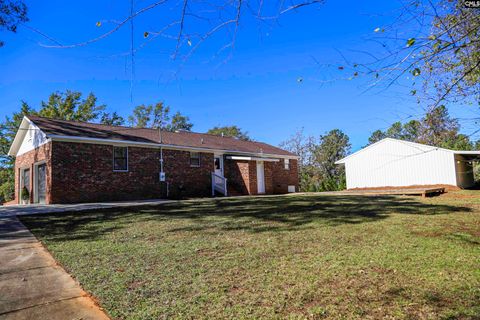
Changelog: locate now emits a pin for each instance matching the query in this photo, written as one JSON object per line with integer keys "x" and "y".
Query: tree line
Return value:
{"x": 436, "y": 128}
{"x": 70, "y": 105}
{"x": 317, "y": 168}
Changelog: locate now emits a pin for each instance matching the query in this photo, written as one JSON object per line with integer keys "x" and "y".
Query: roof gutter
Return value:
{"x": 158, "y": 145}
{"x": 470, "y": 153}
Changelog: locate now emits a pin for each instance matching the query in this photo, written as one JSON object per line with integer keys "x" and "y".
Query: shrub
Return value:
{"x": 25, "y": 194}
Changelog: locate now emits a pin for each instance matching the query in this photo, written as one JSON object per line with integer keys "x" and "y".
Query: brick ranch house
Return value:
{"x": 69, "y": 162}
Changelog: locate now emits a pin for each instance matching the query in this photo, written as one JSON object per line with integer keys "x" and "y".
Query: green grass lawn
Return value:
{"x": 294, "y": 257}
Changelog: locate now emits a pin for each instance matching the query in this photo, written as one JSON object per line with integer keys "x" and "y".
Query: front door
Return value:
{"x": 218, "y": 165}
{"x": 41, "y": 183}
{"x": 260, "y": 177}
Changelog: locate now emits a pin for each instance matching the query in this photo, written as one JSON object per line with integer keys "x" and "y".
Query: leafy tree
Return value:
{"x": 476, "y": 145}
{"x": 230, "y": 131}
{"x": 112, "y": 119}
{"x": 433, "y": 45}
{"x": 8, "y": 130}
{"x": 411, "y": 130}
{"x": 158, "y": 116}
{"x": 395, "y": 131}
{"x": 179, "y": 122}
{"x": 317, "y": 168}
{"x": 12, "y": 13}
{"x": 141, "y": 116}
{"x": 71, "y": 106}
{"x": 332, "y": 147}
{"x": 63, "y": 106}
{"x": 7, "y": 184}
{"x": 457, "y": 142}
{"x": 408, "y": 132}
{"x": 376, "y": 136}
{"x": 436, "y": 128}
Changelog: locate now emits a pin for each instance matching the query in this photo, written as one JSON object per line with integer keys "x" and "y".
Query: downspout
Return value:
{"x": 161, "y": 154}
{"x": 161, "y": 150}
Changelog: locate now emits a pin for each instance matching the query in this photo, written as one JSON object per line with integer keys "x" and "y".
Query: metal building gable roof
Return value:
{"x": 413, "y": 144}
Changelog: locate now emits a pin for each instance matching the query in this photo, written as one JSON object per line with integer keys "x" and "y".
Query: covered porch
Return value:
{"x": 245, "y": 175}
{"x": 464, "y": 168}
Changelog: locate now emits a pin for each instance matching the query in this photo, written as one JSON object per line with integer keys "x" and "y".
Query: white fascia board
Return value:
{"x": 253, "y": 158}
{"x": 341, "y": 161}
{"x": 158, "y": 145}
{"x": 421, "y": 145}
{"x": 467, "y": 152}
{"x": 239, "y": 158}
{"x": 413, "y": 144}
{"x": 17, "y": 141}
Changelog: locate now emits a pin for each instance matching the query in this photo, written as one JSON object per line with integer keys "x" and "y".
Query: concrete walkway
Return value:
{"x": 32, "y": 286}
{"x": 19, "y": 210}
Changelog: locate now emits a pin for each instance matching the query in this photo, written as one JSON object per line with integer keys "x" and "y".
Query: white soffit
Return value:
{"x": 252, "y": 158}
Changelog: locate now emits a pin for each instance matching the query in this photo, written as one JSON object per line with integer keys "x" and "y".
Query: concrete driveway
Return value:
{"x": 32, "y": 285}
{"x": 19, "y": 210}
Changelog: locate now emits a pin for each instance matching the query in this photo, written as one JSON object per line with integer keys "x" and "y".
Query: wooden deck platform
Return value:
{"x": 424, "y": 192}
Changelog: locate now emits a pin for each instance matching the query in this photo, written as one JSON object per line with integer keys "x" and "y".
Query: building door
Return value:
{"x": 41, "y": 183}
{"x": 24, "y": 183}
{"x": 260, "y": 177}
{"x": 218, "y": 165}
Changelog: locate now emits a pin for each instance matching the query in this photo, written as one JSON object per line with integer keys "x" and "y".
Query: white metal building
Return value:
{"x": 397, "y": 163}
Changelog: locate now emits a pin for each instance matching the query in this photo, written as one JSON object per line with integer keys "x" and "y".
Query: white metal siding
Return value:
{"x": 396, "y": 163}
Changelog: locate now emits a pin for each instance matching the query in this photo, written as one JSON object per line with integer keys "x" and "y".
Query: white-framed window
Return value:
{"x": 194, "y": 159}
{"x": 120, "y": 159}
{"x": 286, "y": 163}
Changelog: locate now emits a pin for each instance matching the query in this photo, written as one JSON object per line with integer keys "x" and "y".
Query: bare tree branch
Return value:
{"x": 109, "y": 33}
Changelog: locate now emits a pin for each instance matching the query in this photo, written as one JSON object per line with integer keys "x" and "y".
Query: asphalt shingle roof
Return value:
{"x": 182, "y": 138}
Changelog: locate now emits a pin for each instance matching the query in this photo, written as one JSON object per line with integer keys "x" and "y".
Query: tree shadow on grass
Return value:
{"x": 251, "y": 214}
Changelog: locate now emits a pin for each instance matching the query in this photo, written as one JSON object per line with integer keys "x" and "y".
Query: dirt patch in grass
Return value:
{"x": 426, "y": 186}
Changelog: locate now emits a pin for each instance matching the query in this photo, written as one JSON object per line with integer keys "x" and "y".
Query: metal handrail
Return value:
{"x": 220, "y": 187}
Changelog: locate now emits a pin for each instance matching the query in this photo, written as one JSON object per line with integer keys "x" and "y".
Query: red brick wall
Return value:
{"x": 28, "y": 160}
{"x": 84, "y": 173}
{"x": 282, "y": 178}
{"x": 185, "y": 180}
{"x": 79, "y": 172}
{"x": 242, "y": 176}
{"x": 238, "y": 175}
{"x": 268, "y": 170}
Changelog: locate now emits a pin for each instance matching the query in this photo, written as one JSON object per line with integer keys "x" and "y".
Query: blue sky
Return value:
{"x": 257, "y": 88}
